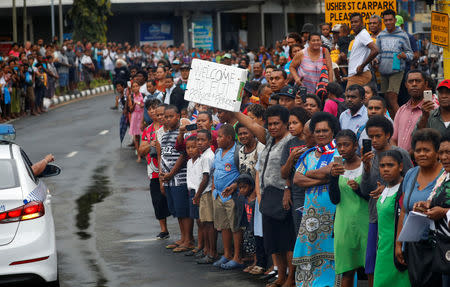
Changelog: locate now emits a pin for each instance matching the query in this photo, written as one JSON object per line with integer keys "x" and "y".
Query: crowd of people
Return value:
{"x": 341, "y": 136}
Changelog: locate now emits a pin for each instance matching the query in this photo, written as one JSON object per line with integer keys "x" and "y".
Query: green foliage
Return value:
{"x": 89, "y": 19}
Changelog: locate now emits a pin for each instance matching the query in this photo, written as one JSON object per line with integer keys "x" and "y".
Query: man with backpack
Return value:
{"x": 356, "y": 114}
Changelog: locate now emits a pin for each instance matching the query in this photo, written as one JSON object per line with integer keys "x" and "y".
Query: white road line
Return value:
{"x": 103, "y": 132}
{"x": 138, "y": 240}
{"x": 72, "y": 154}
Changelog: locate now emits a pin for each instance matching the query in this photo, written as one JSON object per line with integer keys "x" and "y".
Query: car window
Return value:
{"x": 8, "y": 176}
{"x": 28, "y": 165}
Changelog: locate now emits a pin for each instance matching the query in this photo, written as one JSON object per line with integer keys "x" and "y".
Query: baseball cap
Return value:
{"x": 227, "y": 55}
{"x": 185, "y": 67}
{"x": 336, "y": 28}
{"x": 176, "y": 62}
{"x": 444, "y": 83}
{"x": 287, "y": 91}
{"x": 399, "y": 20}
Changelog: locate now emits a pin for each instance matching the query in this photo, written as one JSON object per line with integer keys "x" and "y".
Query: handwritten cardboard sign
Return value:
{"x": 215, "y": 85}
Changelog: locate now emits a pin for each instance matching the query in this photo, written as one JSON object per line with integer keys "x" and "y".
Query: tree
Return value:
{"x": 89, "y": 19}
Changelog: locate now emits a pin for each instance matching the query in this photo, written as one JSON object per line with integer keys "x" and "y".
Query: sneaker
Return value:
{"x": 163, "y": 235}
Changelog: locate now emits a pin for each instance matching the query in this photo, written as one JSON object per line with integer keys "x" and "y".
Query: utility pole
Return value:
{"x": 444, "y": 7}
{"x": 14, "y": 18}
{"x": 53, "y": 18}
{"x": 24, "y": 16}
{"x": 60, "y": 22}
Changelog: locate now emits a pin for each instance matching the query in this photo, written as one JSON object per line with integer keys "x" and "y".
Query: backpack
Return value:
{"x": 341, "y": 107}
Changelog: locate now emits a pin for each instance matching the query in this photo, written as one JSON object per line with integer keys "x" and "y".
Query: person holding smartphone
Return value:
{"x": 438, "y": 119}
{"x": 379, "y": 130}
{"x": 352, "y": 213}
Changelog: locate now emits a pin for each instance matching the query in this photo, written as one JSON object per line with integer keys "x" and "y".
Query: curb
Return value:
{"x": 85, "y": 93}
{"x": 74, "y": 97}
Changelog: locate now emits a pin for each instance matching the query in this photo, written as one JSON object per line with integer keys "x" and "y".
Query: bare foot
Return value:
{"x": 138, "y": 159}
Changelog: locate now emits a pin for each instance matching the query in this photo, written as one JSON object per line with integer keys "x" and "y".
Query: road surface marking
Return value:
{"x": 72, "y": 154}
{"x": 103, "y": 132}
{"x": 138, "y": 240}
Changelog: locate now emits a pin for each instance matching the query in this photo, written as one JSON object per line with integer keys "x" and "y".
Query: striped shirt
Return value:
{"x": 309, "y": 71}
{"x": 169, "y": 156}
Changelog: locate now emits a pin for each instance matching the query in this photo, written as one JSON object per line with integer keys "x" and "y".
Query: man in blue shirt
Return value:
{"x": 356, "y": 114}
{"x": 225, "y": 173}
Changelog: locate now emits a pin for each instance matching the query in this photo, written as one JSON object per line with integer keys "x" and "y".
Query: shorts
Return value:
{"x": 193, "y": 208}
{"x": 391, "y": 83}
{"x": 178, "y": 200}
{"x": 206, "y": 208}
{"x": 361, "y": 79}
{"x": 225, "y": 215}
{"x": 64, "y": 79}
{"x": 371, "y": 252}
{"x": 159, "y": 201}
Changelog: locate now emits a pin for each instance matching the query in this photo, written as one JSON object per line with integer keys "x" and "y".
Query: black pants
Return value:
{"x": 261, "y": 257}
{"x": 159, "y": 201}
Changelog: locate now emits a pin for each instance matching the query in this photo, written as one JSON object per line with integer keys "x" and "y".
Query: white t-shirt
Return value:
{"x": 359, "y": 52}
{"x": 86, "y": 60}
{"x": 195, "y": 170}
{"x": 143, "y": 90}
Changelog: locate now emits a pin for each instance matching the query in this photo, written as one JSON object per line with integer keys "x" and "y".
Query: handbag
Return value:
{"x": 400, "y": 267}
{"x": 441, "y": 253}
{"x": 321, "y": 87}
{"x": 272, "y": 198}
{"x": 419, "y": 258}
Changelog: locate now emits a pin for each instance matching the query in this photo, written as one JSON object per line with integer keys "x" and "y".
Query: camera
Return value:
{"x": 153, "y": 152}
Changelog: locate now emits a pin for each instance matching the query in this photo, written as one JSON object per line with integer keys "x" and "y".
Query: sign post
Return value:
{"x": 215, "y": 85}
{"x": 338, "y": 11}
{"x": 444, "y": 8}
{"x": 439, "y": 28}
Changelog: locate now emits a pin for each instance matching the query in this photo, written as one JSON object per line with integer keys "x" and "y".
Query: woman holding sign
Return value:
{"x": 307, "y": 65}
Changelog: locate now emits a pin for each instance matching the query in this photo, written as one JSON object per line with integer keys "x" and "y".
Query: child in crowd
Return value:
{"x": 203, "y": 197}
{"x": 148, "y": 149}
{"x": 225, "y": 174}
{"x": 246, "y": 186}
{"x": 172, "y": 172}
{"x": 194, "y": 177}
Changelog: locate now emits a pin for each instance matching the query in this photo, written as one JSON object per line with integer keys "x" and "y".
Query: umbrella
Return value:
{"x": 123, "y": 127}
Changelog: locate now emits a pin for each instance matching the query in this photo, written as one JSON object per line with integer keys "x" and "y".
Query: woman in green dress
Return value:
{"x": 386, "y": 274}
{"x": 351, "y": 224}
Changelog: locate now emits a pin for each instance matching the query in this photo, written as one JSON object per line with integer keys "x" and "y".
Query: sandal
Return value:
{"x": 172, "y": 246}
{"x": 256, "y": 270}
{"x": 180, "y": 249}
{"x": 248, "y": 268}
{"x": 193, "y": 252}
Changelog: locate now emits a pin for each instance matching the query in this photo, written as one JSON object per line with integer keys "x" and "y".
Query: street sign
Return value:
{"x": 338, "y": 11}
{"x": 439, "y": 28}
{"x": 215, "y": 85}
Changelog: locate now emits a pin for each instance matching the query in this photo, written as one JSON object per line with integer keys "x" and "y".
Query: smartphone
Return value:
{"x": 428, "y": 95}
{"x": 192, "y": 127}
{"x": 339, "y": 160}
{"x": 129, "y": 84}
{"x": 366, "y": 146}
{"x": 302, "y": 92}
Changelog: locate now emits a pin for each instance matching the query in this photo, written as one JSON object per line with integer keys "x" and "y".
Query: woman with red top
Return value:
{"x": 136, "y": 107}
{"x": 148, "y": 149}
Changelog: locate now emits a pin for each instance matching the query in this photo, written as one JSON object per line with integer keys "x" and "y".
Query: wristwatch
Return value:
{"x": 287, "y": 187}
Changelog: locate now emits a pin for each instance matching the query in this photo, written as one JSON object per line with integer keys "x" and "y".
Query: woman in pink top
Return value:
{"x": 307, "y": 65}
{"x": 335, "y": 93}
{"x": 136, "y": 106}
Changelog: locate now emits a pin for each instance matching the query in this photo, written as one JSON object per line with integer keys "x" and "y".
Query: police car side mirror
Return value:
{"x": 50, "y": 170}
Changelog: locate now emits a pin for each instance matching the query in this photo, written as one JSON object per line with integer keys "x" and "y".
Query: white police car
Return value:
{"x": 27, "y": 231}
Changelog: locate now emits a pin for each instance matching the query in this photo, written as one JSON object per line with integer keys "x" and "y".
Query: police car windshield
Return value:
{"x": 8, "y": 174}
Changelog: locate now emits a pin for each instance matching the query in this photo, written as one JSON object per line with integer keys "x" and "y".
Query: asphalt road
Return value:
{"x": 105, "y": 224}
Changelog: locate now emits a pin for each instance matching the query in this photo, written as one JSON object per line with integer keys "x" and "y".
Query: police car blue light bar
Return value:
{"x": 7, "y": 132}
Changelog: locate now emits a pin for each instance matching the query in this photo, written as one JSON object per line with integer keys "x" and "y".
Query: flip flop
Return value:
{"x": 221, "y": 261}
{"x": 193, "y": 252}
{"x": 180, "y": 249}
{"x": 248, "y": 269}
{"x": 230, "y": 265}
{"x": 172, "y": 246}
